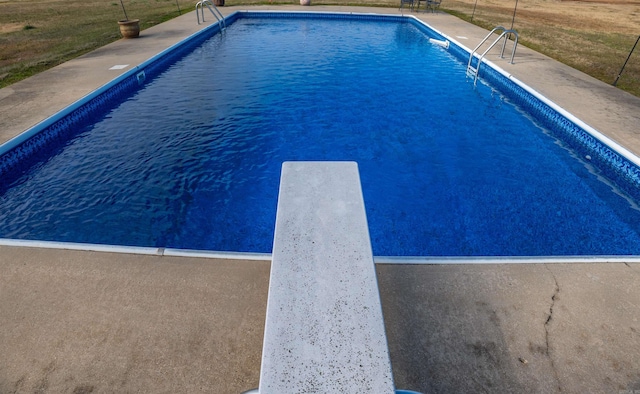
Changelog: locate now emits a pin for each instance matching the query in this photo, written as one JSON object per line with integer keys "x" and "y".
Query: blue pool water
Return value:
{"x": 192, "y": 159}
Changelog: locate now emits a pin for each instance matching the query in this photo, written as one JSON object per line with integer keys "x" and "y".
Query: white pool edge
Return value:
{"x": 266, "y": 257}
{"x": 413, "y": 260}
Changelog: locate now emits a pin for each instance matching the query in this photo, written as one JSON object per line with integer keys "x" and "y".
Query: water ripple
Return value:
{"x": 193, "y": 159}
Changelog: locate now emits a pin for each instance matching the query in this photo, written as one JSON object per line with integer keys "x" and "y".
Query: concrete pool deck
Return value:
{"x": 82, "y": 321}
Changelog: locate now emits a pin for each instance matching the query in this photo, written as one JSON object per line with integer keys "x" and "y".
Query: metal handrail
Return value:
{"x": 506, "y": 33}
{"x": 209, "y": 4}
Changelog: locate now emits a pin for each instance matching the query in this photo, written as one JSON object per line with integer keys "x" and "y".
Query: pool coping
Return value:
{"x": 266, "y": 257}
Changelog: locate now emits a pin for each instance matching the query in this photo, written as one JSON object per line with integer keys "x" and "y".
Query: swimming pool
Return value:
{"x": 462, "y": 195}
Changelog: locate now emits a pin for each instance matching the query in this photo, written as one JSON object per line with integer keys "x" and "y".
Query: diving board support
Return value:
{"x": 324, "y": 329}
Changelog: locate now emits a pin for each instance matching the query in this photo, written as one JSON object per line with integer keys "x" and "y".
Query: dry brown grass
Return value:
{"x": 592, "y": 36}
{"x": 36, "y": 35}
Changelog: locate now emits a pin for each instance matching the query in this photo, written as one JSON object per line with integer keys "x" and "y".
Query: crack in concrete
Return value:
{"x": 546, "y": 327}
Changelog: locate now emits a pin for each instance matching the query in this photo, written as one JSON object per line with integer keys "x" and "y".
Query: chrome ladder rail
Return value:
{"x": 217, "y": 14}
{"x": 506, "y": 33}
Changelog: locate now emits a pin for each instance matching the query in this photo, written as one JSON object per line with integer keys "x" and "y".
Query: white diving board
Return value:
{"x": 324, "y": 330}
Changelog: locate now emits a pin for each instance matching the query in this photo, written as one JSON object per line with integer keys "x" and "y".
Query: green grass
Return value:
{"x": 48, "y": 33}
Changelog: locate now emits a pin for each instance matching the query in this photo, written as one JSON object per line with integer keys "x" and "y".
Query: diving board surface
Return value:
{"x": 324, "y": 329}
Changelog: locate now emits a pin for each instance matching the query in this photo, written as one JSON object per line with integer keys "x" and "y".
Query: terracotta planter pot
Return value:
{"x": 130, "y": 28}
{"x": 218, "y": 3}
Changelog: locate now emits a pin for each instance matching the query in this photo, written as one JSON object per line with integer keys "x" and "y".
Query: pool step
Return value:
{"x": 472, "y": 72}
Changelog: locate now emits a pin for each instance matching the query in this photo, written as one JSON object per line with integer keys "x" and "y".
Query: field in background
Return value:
{"x": 37, "y": 35}
{"x": 592, "y": 36}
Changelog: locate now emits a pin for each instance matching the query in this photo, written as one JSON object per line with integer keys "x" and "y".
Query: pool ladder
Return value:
{"x": 506, "y": 33}
{"x": 218, "y": 15}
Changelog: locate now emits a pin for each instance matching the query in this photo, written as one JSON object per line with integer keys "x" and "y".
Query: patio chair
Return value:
{"x": 431, "y": 5}
{"x": 408, "y": 2}
{"x": 434, "y": 5}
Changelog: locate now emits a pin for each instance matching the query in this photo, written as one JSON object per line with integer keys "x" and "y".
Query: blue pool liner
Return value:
{"x": 615, "y": 163}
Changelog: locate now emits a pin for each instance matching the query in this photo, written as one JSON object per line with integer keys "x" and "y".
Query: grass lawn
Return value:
{"x": 594, "y": 37}
{"x": 37, "y": 35}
